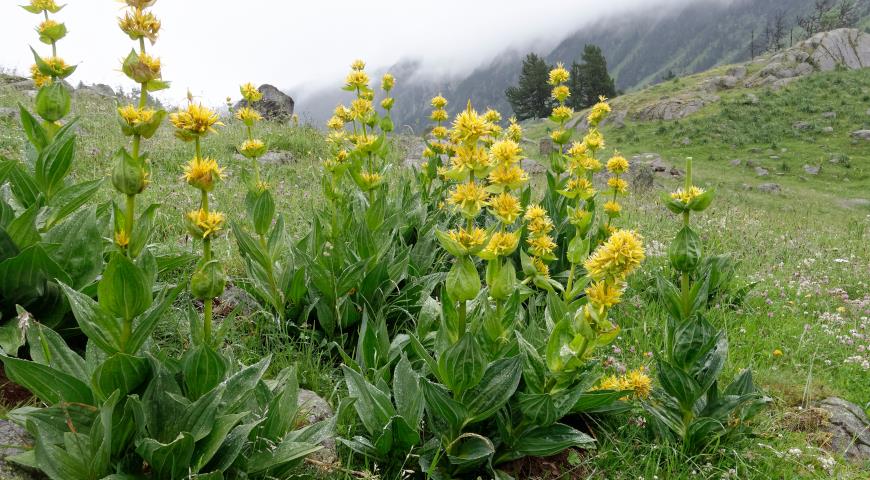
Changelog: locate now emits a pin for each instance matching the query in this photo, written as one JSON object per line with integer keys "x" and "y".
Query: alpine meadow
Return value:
{"x": 635, "y": 246}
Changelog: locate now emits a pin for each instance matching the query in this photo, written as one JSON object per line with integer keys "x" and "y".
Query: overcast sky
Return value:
{"x": 211, "y": 46}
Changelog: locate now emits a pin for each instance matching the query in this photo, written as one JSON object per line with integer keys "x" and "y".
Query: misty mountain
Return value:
{"x": 641, "y": 48}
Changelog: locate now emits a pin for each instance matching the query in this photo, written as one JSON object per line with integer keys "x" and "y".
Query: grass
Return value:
{"x": 807, "y": 248}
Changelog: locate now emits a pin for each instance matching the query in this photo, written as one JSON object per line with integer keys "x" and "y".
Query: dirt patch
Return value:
{"x": 567, "y": 465}
{"x": 12, "y": 395}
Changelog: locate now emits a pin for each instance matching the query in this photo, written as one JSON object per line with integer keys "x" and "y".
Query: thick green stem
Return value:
{"x": 130, "y": 218}
{"x": 685, "y": 286}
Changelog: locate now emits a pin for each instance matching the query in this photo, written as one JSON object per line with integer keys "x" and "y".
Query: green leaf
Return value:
{"x": 470, "y": 449}
{"x": 147, "y": 322}
{"x": 463, "y": 281}
{"x": 241, "y": 385}
{"x": 54, "y": 164}
{"x": 684, "y": 252}
{"x": 49, "y": 349}
{"x": 208, "y": 446}
{"x": 462, "y": 364}
{"x": 124, "y": 289}
{"x": 679, "y": 385}
{"x": 24, "y": 280}
{"x": 441, "y": 407}
{"x": 100, "y": 327}
{"x": 261, "y": 209}
{"x": 169, "y": 461}
{"x": 77, "y": 253}
{"x": 48, "y": 384}
{"x": 24, "y": 187}
{"x": 496, "y": 387}
{"x": 203, "y": 369}
{"x": 406, "y": 392}
{"x": 283, "y": 454}
{"x": 36, "y": 134}
{"x": 120, "y": 372}
{"x": 701, "y": 202}
{"x": 69, "y": 199}
{"x": 372, "y": 405}
{"x": 22, "y": 229}
{"x": 547, "y": 441}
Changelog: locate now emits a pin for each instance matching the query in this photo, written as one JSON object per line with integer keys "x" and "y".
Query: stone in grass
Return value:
{"x": 761, "y": 171}
{"x": 861, "y": 134}
{"x": 314, "y": 409}
{"x": 7, "y": 113}
{"x": 736, "y": 162}
{"x": 812, "y": 170}
{"x": 278, "y": 157}
{"x": 829, "y": 115}
{"x": 769, "y": 188}
{"x": 13, "y": 441}
{"x": 828, "y": 130}
{"x": 849, "y": 429}
{"x": 801, "y": 125}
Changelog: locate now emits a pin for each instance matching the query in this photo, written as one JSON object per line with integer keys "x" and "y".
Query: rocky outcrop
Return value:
{"x": 861, "y": 134}
{"x": 275, "y": 104}
{"x": 849, "y": 429}
{"x": 97, "y": 89}
{"x": 674, "y": 108}
{"x": 842, "y": 48}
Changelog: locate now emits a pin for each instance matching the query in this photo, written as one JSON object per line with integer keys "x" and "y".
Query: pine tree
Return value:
{"x": 531, "y": 98}
{"x": 593, "y": 78}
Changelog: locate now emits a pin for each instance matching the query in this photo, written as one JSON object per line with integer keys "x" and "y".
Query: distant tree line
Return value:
{"x": 825, "y": 15}
{"x": 530, "y": 98}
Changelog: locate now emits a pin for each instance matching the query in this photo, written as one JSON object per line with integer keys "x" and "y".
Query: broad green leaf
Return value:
{"x": 372, "y": 405}
{"x": 99, "y": 325}
{"x": 203, "y": 369}
{"x": 284, "y": 453}
{"x": 77, "y": 253}
{"x": 470, "y": 449}
{"x": 406, "y": 392}
{"x": 206, "y": 449}
{"x": 145, "y": 324}
{"x": 49, "y": 349}
{"x": 496, "y": 387}
{"x": 679, "y": 384}
{"x": 443, "y": 408}
{"x": 170, "y": 461}
{"x": 462, "y": 364}
{"x": 120, "y": 372}
{"x": 124, "y": 289}
{"x": 547, "y": 441}
{"x": 50, "y": 385}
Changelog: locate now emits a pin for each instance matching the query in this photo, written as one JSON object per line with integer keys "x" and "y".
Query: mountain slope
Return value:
{"x": 641, "y": 48}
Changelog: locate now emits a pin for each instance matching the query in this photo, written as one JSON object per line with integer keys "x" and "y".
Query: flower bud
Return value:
{"x": 684, "y": 252}
{"x": 53, "y": 102}
{"x": 51, "y": 31}
{"x": 463, "y": 282}
{"x": 501, "y": 278}
{"x": 141, "y": 68}
{"x": 252, "y": 148}
{"x": 129, "y": 175}
{"x": 208, "y": 281}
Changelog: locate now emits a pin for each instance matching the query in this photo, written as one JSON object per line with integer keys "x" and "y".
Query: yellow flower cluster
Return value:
{"x": 686, "y": 196}
{"x": 202, "y": 173}
{"x": 203, "y": 224}
{"x": 469, "y": 198}
{"x": 617, "y": 166}
{"x": 139, "y": 24}
{"x": 194, "y": 122}
{"x": 539, "y": 225}
{"x": 561, "y": 112}
{"x": 250, "y": 93}
{"x": 635, "y": 381}
{"x": 620, "y": 255}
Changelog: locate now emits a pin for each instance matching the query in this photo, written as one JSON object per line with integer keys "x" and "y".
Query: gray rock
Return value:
{"x": 545, "y": 146}
{"x": 414, "y": 155}
{"x": 803, "y": 69}
{"x": 868, "y": 111}
{"x": 234, "y": 297}
{"x": 531, "y": 166}
{"x": 23, "y": 84}
{"x": 829, "y": 114}
{"x": 849, "y": 429}
{"x": 782, "y": 83}
{"x": 673, "y": 108}
{"x": 314, "y": 408}
{"x": 827, "y": 129}
{"x": 675, "y": 172}
{"x": 277, "y": 157}
{"x": 769, "y": 188}
{"x": 642, "y": 177}
{"x": 14, "y": 440}
{"x": 812, "y": 170}
{"x": 838, "y": 158}
{"x": 750, "y": 99}
{"x": 801, "y": 125}
{"x": 686, "y": 141}
{"x": 856, "y": 203}
{"x": 616, "y": 117}
{"x": 8, "y": 113}
{"x": 844, "y": 47}
{"x": 861, "y": 134}
{"x": 737, "y": 72}
{"x": 761, "y": 172}
{"x": 725, "y": 82}
{"x": 736, "y": 162}
{"x": 275, "y": 104}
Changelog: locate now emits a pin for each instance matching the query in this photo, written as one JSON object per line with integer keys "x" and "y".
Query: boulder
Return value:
{"x": 829, "y": 114}
{"x": 856, "y": 203}
{"x": 641, "y": 177}
{"x": 315, "y": 409}
{"x": 849, "y": 429}
{"x": 769, "y": 188}
{"x": 750, "y": 99}
{"x": 761, "y": 172}
{"x": 673, "y": 108}
{"x": 275, "y": 104}
{"x": 812, "y": 170}
{"x": 801, "y": 125}
{"x": 736, "y": 162}
{"x": 861, "y": 134}
{"x": 827, "y": 129}
{"x": 276, "y": 157}
{"x": 737, "y": 72}
{"x": 531, "y": 166}
{"x": 545, "y": 146}
{"x": 844, "y": 47}
{"x": 14, "y": 440}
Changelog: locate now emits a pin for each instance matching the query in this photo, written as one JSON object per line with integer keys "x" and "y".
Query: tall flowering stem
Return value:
{"x": 53, "y": 100}
{"x": 258, "y": 200}
{"x": 132, "y": 169}
{"x": 208, "y": 280}
{"x": 361, "y": 151}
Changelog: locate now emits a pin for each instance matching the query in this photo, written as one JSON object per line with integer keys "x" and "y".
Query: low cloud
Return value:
{"x": 211, "y": 46}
